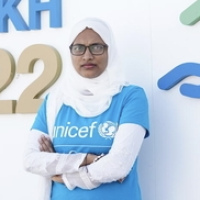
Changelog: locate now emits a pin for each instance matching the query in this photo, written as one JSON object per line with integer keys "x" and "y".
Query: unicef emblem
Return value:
{"x": 108, "y": 129}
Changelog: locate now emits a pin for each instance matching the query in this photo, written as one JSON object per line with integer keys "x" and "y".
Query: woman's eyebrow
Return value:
{"x": 96, "y": 43}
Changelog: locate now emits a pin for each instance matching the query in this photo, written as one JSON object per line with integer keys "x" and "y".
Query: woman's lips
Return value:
{"x": 88, "y": 65}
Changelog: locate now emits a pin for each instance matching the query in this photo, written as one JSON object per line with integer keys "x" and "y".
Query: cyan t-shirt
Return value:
{"x": 77, "y": 134}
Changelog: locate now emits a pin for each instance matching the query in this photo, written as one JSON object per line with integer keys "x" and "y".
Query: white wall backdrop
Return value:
{"x": 151, "y": 41}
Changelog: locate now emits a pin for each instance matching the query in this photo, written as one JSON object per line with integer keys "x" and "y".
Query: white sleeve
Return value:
{"x": 115, "y": 165}
{"x": 48, "y": 164}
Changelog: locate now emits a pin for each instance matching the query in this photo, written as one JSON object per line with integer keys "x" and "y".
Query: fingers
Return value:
{"x": 45, "y": 144}
{"x": 57, "y": 178}
{"x": 90, "y": 158}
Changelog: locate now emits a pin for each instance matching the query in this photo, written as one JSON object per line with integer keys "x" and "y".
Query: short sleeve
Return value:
{"x": 135, "y": 108}
{"x": 40, "y": 122}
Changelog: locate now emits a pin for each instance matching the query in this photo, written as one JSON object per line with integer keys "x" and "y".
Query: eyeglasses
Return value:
{"x": 80, "y": 49}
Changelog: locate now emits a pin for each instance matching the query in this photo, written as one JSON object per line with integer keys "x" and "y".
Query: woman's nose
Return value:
{"x": 87, "y": 54}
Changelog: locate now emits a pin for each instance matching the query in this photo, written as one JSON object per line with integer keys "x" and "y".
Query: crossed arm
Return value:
{"x": 78, "y": 170}
{"x": 45, "y": 145}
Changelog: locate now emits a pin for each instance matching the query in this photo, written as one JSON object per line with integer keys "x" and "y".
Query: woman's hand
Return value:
{"x": 45, "y": 144}
{"x": 89, "y": 158}
{"x": 57, "y": 178}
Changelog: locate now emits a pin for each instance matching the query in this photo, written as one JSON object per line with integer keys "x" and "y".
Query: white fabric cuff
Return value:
{"x": 79, "y": 179}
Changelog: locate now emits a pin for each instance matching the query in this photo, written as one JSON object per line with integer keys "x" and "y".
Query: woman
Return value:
{"x": 87, "y": 134}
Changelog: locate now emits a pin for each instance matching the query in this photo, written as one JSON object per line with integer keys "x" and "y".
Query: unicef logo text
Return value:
{"x": 106, "y": 130}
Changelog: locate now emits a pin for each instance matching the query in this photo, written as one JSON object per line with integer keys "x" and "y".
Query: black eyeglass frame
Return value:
{"x": 89, "y": 46}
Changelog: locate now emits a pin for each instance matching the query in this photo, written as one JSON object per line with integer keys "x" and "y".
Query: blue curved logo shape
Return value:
{"x": 179, "y": 73}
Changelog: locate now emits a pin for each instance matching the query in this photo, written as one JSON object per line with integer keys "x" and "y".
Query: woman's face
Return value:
{"x": 88, "y": 65}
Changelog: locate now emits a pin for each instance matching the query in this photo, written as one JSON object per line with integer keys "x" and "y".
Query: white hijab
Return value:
{"x": 91, "y": 97}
